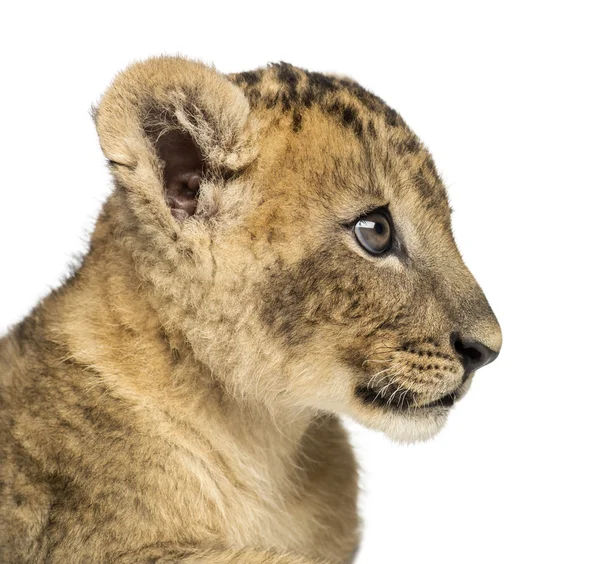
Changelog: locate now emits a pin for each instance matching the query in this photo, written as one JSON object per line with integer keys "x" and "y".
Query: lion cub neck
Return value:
{"x": 103, "y": 320}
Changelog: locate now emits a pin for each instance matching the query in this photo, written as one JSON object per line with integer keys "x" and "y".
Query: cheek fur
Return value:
{"x": 330, "y": 290}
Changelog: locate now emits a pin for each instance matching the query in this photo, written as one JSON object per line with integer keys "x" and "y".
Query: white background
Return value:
{"x": 506, "y": 97}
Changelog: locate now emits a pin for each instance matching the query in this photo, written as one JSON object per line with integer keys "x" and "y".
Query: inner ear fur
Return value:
{"x": 170, "y": 124}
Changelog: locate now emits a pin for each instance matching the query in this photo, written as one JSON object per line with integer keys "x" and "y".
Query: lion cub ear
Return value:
{"x": 170, "y": 126}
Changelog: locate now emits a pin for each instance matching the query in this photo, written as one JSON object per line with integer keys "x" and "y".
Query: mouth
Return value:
{"x": 395, "y": 398}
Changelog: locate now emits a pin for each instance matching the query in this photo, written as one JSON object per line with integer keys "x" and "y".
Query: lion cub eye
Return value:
{"x": 374, "y": 232}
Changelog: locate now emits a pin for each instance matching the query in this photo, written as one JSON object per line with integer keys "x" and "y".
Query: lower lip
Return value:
{"x": 446, "y": 401}
{"x": 371, "y": 397}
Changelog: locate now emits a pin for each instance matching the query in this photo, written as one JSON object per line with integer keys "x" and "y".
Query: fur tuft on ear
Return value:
{"x": 174, "y": 124}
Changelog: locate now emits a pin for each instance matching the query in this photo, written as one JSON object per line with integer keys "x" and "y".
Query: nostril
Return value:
{"x": 472, "y": 354}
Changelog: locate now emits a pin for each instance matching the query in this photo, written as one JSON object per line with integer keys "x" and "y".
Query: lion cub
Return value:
{"x": 276, "y": 251}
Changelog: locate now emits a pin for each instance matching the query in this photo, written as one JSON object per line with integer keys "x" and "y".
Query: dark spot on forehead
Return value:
{"x": 321, "y": 82}
{"x": 349, "y": 115}
{"x": 430, "y": 186}
{"x": 429, "y": 167}
{"x": 372, "y": 102}
{"x": 409, "y": 145}
{"x": 371, "y": 129}
{"x": 307, "y": 99}
{"x": 288, "y": 75}
{"x": 249, "y": 78}
{"x": 392, "y": 118}
{"x": 346, "y": 115}
{"x": 286, "y": 103}
{"x": 305, "y": 89}
{"x": 250, "y": 82}
{"x": 296, "y": 121}
{"x": 428, "y": 190}
{"x": 350, "y": 119}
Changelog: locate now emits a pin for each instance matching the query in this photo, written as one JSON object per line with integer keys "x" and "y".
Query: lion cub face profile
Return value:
{"x": 295, "y": 234}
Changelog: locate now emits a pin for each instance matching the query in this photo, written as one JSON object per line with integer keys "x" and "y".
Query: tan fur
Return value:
{"x": 177, "y": 399}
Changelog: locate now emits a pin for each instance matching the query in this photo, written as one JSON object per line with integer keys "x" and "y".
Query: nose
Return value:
{"x": 472, "y": 354}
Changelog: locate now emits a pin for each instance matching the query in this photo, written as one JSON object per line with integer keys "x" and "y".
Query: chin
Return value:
{"x": 406, "y": 426}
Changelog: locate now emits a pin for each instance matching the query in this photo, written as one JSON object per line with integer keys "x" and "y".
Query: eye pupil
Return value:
{"x": 374, "y": 232}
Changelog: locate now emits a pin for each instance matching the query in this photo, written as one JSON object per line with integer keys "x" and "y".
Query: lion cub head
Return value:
{"x": 291, "y": 230}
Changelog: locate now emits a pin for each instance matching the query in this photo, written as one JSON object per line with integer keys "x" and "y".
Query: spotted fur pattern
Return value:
{"x": 177, "y": 399}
